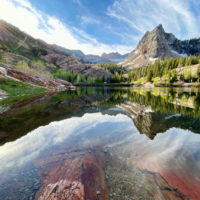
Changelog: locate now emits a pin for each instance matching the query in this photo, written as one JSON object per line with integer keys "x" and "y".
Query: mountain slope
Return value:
{"x": 14, "y": 42}
{"x": 158, "y": 43}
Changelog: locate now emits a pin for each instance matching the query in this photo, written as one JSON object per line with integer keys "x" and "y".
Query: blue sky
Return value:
{"x": 97, "y": 26}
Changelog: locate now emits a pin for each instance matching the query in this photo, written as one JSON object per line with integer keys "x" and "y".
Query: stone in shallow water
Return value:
{"x": 62, "y": 190}
{"x": 98, "y": 192}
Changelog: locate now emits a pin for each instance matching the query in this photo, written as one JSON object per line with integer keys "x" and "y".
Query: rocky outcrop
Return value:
{"x": 3, "y": 95}
{"x": 88, "y": 70}
{"x": 72, "y": 64}
{"x": 63, "y": 82}
{"x": 61, "y": 60}
{"x": 156, "y": 44}
{"x": 33, "y": 79}
{"x": 3, "y": 71}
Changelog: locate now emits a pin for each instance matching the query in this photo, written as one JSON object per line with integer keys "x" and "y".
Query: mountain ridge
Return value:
{"x": 91, "y": 58}
{"x": 159, "y": 44}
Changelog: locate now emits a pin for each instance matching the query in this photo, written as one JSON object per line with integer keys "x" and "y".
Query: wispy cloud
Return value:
{"x": 142, "y": 15}
{"x": 89, "y": 20}
{"x": 123, "y": 22}
{"x": 50, "y": 29}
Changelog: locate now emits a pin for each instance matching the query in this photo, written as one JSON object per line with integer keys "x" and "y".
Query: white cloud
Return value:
{"x": 131, "y": 20}
{"x": 89, "y": 20}
{"x": 143, "y": 15}
{"x": 50, "y": 29}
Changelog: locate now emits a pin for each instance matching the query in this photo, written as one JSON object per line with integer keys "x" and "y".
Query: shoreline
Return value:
{"x": 105, "y": 85}
{"x": 146, "y": 85}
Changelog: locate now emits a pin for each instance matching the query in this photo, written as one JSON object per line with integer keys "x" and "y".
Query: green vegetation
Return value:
{"x": 168, "y": 70}
{"x": 27, "y": 59}
{"x": 112, "y": 68}
{"x": 18, "y": 91}
{"x": 74, "y": 77}
{"x": 117, "y": 71}
{"x": 38, "y": 51}
{"x": 37, "y": 68}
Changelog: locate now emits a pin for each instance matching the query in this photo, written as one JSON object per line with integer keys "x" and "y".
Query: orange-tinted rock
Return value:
{"x": 75, "y": 175}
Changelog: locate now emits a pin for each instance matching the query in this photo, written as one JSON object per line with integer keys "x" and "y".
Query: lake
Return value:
{"x": 102, "y": 143}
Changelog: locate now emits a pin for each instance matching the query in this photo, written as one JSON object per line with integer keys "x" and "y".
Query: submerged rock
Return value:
{"x": 62, "y": 190}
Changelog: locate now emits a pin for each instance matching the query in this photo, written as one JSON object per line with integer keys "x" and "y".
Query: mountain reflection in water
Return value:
{"x": 102, "y": 143}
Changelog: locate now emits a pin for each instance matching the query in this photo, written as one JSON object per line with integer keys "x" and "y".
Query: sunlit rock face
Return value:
{"x": 157, "y": 43}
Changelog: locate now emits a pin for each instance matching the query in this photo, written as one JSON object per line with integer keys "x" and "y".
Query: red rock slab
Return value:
{"x": 79, "y": 174}
{"x": 34, "y": 79}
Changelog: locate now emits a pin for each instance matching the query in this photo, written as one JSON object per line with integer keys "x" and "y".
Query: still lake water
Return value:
{"x": 102, "y": 143}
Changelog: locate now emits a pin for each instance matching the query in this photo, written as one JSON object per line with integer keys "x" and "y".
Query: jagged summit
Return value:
{"x": 158, "y": 43}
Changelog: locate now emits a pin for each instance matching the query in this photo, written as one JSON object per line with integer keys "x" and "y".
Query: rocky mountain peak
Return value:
{"x": 157, "y": 43}
{"x": 159, "y": 28}
{"x": 154, "y": 44}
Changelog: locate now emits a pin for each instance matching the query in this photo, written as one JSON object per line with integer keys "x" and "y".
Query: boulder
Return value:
{"x": 3, "y": 71}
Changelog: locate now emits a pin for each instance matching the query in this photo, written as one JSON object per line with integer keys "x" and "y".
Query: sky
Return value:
{"x": 101, "y": 26}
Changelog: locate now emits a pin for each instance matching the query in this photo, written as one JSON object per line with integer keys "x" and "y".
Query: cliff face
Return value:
{"x": 158, "y": 43}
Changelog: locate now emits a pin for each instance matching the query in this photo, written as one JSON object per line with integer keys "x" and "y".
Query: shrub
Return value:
{"x": 38, "y": 51}
{"x": 36, "y": 69}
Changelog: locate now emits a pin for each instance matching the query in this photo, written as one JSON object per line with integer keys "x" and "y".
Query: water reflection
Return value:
{"x": 103, "y": 144}
{"x": 25, "y": 149}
